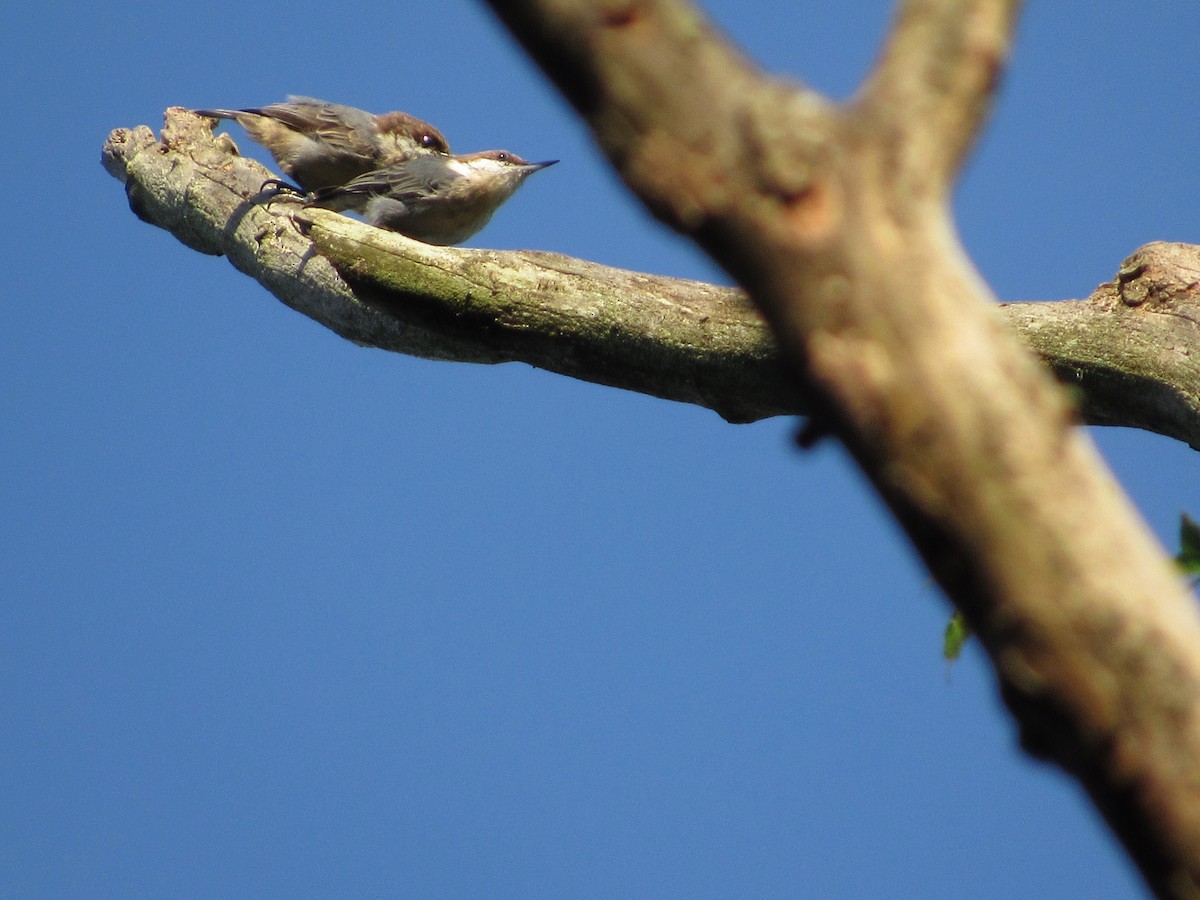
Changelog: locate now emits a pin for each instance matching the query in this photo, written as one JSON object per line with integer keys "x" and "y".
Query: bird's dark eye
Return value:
{"x": 502, "y": 156}
{"x": 433, "y": 142}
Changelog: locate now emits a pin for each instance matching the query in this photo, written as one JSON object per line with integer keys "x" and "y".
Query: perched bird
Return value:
{"x": 323, "y": 145}
{"x": 435, "y": 199}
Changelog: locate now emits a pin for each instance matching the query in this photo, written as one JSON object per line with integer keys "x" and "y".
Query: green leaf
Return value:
{"x": 1189, "y": 545}
{"x": 957, "y": 632}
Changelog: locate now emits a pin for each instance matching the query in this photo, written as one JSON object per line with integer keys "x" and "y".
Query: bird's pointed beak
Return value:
{"x": 533, "y": 167}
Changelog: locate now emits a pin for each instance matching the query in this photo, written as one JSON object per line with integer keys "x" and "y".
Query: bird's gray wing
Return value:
{"x": 409, "y": 182}
{"x": 344, "y": 128}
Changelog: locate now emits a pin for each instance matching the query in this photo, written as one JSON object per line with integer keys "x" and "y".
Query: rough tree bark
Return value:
{"x": 834, "y": 218}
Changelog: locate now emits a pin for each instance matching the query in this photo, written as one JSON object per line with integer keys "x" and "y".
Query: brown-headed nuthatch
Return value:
{"x": 323, "y": 145}
{"x": 435, "y": 199}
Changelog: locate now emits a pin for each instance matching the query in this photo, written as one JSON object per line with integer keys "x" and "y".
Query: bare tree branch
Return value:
{"x": 927, "y": 97}
{"x": 668, "y": 337}
{"x": 1094, "y": 638}
{"x": 1117, "y": 345}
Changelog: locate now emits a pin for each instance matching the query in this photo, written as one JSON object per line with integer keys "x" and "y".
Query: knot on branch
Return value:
{"x": 1161, "y": 273}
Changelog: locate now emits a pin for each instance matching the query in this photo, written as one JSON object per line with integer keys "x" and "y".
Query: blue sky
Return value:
{"x": 283, "y": 616}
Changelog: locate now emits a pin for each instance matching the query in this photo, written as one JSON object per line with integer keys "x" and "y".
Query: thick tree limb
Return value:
{"x": 672, "y": 338}
{"x": 838, "y": 226}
